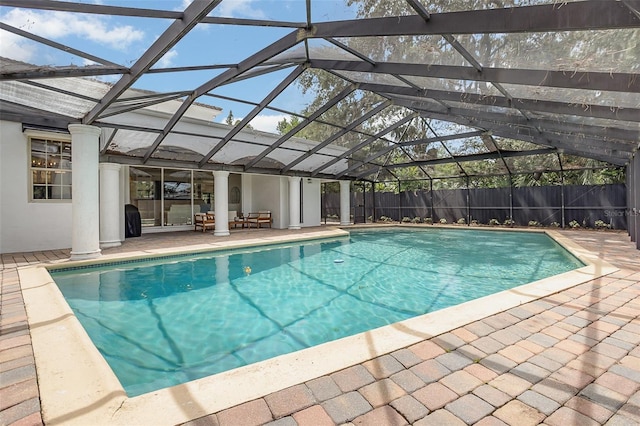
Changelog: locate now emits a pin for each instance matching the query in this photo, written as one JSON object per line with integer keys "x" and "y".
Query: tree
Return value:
{"x": 568, "y": 50}
{"x": 285, "y": 126}
{"x": 232, "y": 122}
{"x": 229, "y": 119}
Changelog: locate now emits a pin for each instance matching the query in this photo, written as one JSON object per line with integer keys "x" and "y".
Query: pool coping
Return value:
{"x": 78, "y": 387}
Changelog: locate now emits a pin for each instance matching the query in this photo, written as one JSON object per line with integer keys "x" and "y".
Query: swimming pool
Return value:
{"x": 189, "y": 322}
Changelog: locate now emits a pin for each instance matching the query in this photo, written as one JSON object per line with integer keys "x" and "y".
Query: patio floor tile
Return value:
{"x": 493, "y": 396}
{"x": 539, "y": 402}
{"x": 313, "y": 416}
{"x": 469, "y": 408}
{"x": 439, "y": 418}
{"x": 251, "y": 413}
{"x": 383, "y": 366}
{"x": 381, "y": 392}
{"x": 323, "y": 388}
{"x": 407, "y": 380}
{"x": 576, "y": 378}
{"x": 461, "y": 382}
{"x": 434, "y": 396}
{"x": 510, "y": 384}
{"x": 590, "y": 409}
{"x": 618, "y": 383}
{"x": 566, "y": 416}
{"x": 517, "y": 413}
{"x": 603, "y": 396}
{"x": 346, "y": 407}
{"x": 426, "y": 350}
{"x": 481, "y": 372}
{"x": 410, "y": 408}
{"x": 430, "y": 371}
{"x": 385, "y": 415}
{"x": 289, "y": 400}
{"x": 558, "y": 391}
{"x": 352, "y": 378}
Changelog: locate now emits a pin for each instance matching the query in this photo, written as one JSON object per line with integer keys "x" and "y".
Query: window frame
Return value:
{"x": 53, "y": 138}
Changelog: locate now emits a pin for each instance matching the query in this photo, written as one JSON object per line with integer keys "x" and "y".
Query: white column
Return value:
{"x": 85, "y": 223}
{"x": 294, "y": 202}
{"x": 110, "y": 213}
{"x": 221, "y": 195}
{"x": 345, "y": 201}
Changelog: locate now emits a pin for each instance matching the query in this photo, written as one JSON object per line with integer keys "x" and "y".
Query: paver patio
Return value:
{"x": 571, "y": 358}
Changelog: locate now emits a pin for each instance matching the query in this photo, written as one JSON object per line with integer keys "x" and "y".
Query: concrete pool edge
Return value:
{"x": 77, "y": 386}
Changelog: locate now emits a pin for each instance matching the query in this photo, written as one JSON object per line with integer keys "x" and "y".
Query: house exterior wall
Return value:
{"x": 266, "y": 193}
{"x": 282, "y": 221}
{"x": 272, "y": 193}
{"x": 26, "y": 225}
{"x": 311, "y": 201}
{"x": 46, "y": 225}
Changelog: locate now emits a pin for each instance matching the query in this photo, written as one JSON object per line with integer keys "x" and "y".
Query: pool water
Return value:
{"x": 165, "y": 322}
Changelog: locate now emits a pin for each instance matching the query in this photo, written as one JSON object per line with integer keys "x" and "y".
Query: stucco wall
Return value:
{"x": 24, "y": 225}
{"x": 311, "y": 200}
{"x": 266, "y": 193}
{"x": 272, "y": 193}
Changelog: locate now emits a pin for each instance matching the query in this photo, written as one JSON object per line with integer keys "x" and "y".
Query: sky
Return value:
{"x": 123, "y": 39}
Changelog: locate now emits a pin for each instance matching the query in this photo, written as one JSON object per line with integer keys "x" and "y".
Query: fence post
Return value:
{"x": 468, "y": 204}
{"x": 431, "y": 198}
{"x": 373, "y": 201}
{"x": 562, "y": 209}
{"x": 399, "y": 201}
{"x": 511, "y": 199}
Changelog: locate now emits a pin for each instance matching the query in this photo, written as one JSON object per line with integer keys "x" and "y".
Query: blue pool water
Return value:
{"x": 164, "y": 322}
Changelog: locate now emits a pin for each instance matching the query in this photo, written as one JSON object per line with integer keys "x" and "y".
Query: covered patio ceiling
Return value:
{"x": 395, "y": 84}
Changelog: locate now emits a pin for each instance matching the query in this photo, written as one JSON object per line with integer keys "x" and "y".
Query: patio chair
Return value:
{"x": 204, "y": 221}
{"x": 263, "y": 216}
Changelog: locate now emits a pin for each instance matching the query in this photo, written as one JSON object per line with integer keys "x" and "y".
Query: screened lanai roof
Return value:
{"x": 443, "y": 88}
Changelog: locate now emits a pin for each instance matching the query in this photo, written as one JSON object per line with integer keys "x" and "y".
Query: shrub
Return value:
{"x": 600, "y": 224}
{"x": 385, "y": 219}
{"x": 494, "y": 222}
{"x": 534, "y": 223}
{"x": 462, "y": 221}
{"x": 416, "y": 219}
{"x": 443, "y": 221}
{"x": 474, "y": 222}
{"x": 509, "y": 222}
{"x": 554, "y": 225}
{"x": 574, "y": 224}
{"x": 428, "y": 220}
{"x": 405, "y": 220}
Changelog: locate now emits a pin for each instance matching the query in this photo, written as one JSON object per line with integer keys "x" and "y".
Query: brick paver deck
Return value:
{"x": 572, "y": 358}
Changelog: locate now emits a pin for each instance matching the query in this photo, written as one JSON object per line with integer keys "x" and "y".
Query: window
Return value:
{"x": 50, "y": 169}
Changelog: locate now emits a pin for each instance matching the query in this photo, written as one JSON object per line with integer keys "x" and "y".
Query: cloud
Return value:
{"x": 15, "y": 47}
{"x": 267, "y": 123}
{"x": 167, "y": 59}
{"x": 240, "y": 9}
{"x": 234, "y": 9}
{"x": 60, "y": 25}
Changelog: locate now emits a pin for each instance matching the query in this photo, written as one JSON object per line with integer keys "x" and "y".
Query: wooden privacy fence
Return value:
{"x": 584, "y": 204}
